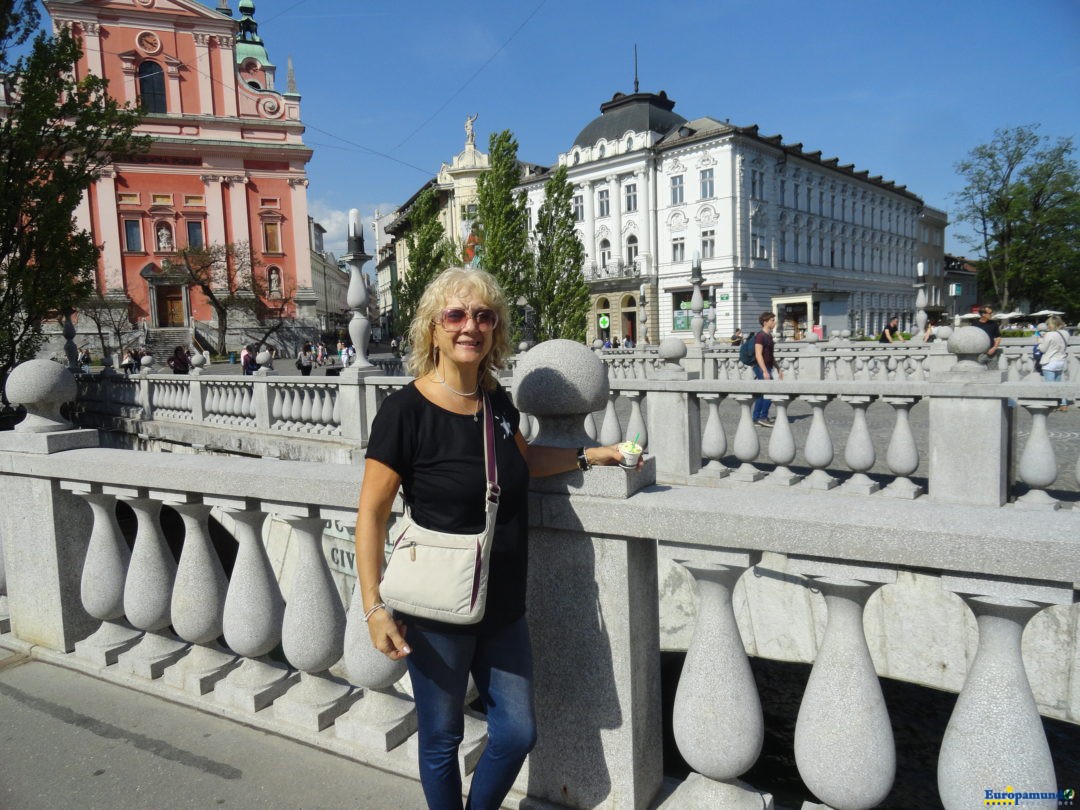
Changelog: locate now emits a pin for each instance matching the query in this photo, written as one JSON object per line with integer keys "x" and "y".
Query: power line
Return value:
{"x": 471, "y": 78}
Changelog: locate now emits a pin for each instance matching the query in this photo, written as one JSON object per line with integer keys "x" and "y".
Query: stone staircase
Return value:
{"x": 161, "y": 342}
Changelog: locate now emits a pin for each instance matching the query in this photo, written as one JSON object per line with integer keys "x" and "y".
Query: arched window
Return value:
{"x": 631, "y": 249}
{"x": 152, "y": 87}
{"x": 605, "y": 253}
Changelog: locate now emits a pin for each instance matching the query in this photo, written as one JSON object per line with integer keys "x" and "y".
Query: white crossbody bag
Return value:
{"x": 439, "y": 575}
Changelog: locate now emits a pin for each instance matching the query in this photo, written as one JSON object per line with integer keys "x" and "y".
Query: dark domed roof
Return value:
{"x": 640, "y": 112}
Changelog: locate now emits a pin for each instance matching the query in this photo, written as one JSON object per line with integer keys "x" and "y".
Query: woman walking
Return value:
{"x": 428, "y": 439}
{"x": 1054, "y": 346}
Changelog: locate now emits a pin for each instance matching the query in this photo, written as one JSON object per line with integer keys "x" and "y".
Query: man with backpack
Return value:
{"x": 764, "y": 365}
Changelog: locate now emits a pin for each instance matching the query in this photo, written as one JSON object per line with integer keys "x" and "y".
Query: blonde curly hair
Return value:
{"x": 465, "y": 283}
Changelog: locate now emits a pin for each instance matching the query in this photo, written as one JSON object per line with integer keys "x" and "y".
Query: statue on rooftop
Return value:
{"x": 470, "y": 136}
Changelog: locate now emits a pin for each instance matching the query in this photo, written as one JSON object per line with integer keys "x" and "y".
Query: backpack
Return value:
{"x": 747, "y": 356}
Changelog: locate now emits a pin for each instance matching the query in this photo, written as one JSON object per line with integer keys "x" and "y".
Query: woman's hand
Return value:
{"x": 608, "y": 455}
{"x": 388, "y": 635}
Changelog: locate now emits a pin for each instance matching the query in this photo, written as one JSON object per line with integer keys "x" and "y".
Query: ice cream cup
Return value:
{"x": 631, "y": 452}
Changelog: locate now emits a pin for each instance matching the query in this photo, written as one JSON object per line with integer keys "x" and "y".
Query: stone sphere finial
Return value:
{"x": 598, "y": 344}
{"x": 41, "y": 386}
{"x": 559, "y": 382}
{"x": 943, "y": 332}
{"x": 967, "y": 343}
{"x": 198, "y": 360}
{"x": 263, "y": 358}
{"x": 671, "y": 351}
{"x": 845, "y": 333}
{"x": 147, "y": 362}
{"x": 811, "y": 337}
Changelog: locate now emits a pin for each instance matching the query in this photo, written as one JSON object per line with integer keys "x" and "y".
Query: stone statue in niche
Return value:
{"x": 164, "y": 239}
{"x": 274, "y": 280}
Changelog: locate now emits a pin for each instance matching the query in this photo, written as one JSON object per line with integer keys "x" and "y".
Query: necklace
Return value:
{"x": 463, "y": 394}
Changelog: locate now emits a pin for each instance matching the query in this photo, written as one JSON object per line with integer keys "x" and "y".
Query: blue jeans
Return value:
{"x": 761, "y": 405}
{"x": 501, "y": 665}
{"x": 1054, "y": 376}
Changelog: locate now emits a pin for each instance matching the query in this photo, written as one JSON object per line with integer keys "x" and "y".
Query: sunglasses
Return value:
{"x": 453, "y": 319}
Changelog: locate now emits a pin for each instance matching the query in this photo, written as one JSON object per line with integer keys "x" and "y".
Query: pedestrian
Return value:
{"x": 628, "y": 342}
{"x": 429, "y": 439}
{"x": 615, "y": 343}
{"x": 127, "y": 363}
{"x": 1054, "y": 346}
{"x": 737, "y": 338}
{"x": 764, "y": 366}
{"x": 247, "y": 361}
{"x": 304, "y": 360}
{"x": 891, "y": 332}
{"x": 84, "y": 360}
{"x": 180, "y": 363}
{"x": 993, "y": 331}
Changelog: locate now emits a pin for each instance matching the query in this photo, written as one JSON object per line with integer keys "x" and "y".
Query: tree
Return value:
{"x": 1022, "y": 202}
{"x": 429, "y": 253}
{"x": 503, "y": 223}
{"x": 556, "y": 289}
{"x": 225, "y": 275}
{"x": 111, "y": 318}
{"x": 56, "y": 133}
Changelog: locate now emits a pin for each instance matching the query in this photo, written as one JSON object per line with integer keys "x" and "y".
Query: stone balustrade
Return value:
{"x": 76, "y": 590}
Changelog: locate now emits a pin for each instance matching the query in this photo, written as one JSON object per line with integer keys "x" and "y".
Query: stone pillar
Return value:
{"x": 227, "y": 72}
{"x": 969, "y": 438}
{"x": 45, "y": 538}
{"x": 104, "y": 190}
{"x": 674, "y": 418}
{"x": 615, "y": 190}
{"x": 589, "y": 225}
{"x": 204, "y": 73}
{"x": 593, "y": 611}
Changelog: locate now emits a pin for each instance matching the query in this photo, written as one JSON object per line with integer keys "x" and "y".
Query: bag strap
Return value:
{"x": 492, "y": 491}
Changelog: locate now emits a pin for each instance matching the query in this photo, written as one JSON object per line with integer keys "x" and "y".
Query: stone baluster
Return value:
{"x": 198, "y": 603}
{"x": 335, "y": 409}
{"x": 102, "y": 585}
{"x": 995, "y": 737}
{"x": 296, "y": 415}
{"x": 674, "y": 417}
{"x": 902, "y": 455}
{"x": 859, "y": 452}
{"x": 892, "y": 365}
{"x": 210, "y": 411}
{"x": 327, "y": 417}
{"x": 844, "y": 745}
{"x": 312, "y": 635}
{"x": 746, "y": 445}
{"x": 1038, "y": 464}
{"x": 305, "y": 406}
{"x": 254, "y": 610}
{"x": 636, "y": 425}
{"x": 819, "y": 447}
{"x": 714, "y": 444}
{"x": 247, "y": 409}
{"x": 717, "y": 720}
{"x": 382, "y": 718}
{"x": 148, "y": 590}
{"x": 590, "y": 427}
{"x": 611, "y": 430}
{"x": 287, "y": 394}
{"x": 830, "y": 372}
{"x": 782, "y": 444}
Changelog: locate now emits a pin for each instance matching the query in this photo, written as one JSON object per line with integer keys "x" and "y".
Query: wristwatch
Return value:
{"x": 582, "y": 460}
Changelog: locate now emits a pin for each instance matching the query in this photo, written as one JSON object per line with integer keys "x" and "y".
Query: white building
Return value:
{"x": 775, "y": 228}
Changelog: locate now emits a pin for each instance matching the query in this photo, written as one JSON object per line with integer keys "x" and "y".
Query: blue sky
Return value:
{"x": 901, "y": 89}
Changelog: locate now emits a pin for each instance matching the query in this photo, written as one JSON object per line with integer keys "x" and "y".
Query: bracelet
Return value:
{"x": 371, "y": 610}
{"x": 583, "y": 462}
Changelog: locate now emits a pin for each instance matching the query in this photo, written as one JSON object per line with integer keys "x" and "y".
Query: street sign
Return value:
{"x": 724, "y": 297}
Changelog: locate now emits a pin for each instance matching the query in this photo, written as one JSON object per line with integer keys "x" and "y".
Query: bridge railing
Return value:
{"x": 152, "y": 612}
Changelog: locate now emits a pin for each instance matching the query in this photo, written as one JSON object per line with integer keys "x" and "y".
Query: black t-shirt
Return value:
{"x": 440, "y": 458}
{"x": 765, "y": 341}
{"x": 888, "y": 332}
{"x": 992, "y": 329}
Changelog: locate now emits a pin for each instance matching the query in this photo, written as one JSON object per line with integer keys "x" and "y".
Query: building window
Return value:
{"x": 757, "y": 246}
{"x": 631, "y": 197}
{"x": 271, "y": 237}
{"x": 677, "y": 190}
{"x": 152, "y": 87}
{"x": 603, "y": 203}
{"x": 832, "y": 206}
{"x": 707, "y": 187}
{"x": 708, "y": 244}
{"x": 133, "y": 235}
{"x": 161, "y": 199}
{"x": 783, "y": 191}
{"x": 195, "y": 237}
{"x": 809, "y": 248}
{"x": 579, "y": 209}
{"x": 127, "y": 198}
{"x": 795, "y": 247}
{"x": 631, "y": 249}
{"x": 528, "y": 219}
{"x": 269, "y": 202}
{"x": 783, "y": 246}
{"x": 681, "y": 314}
{"x": 194, "y": 201}
{"x": 757, "y": 184}
{"x": 809, "y": 193}
{"x": 678, "y": 249}
{"x": 605, "y": 253}
{"x": 795, "y": 198}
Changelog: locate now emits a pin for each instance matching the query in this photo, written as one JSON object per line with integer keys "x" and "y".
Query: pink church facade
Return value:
{"x": 227, "y": 164}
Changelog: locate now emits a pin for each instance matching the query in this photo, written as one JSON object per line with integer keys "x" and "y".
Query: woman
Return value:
{"x": 180, "y": 363}
{"x": 1054, "y": 346}
{"x": 305, "y": 359}
{"x": 427, "y": 437}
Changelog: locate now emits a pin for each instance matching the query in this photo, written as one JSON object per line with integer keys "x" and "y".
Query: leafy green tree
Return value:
{"x": 226, "y": 276}
{"x": 556, "y": 289}
{"x": 1022, "y": 203}
{"x": 56, "y": 132}
{"x": 500, "y": 213}
{"x": 429, "y": 253}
